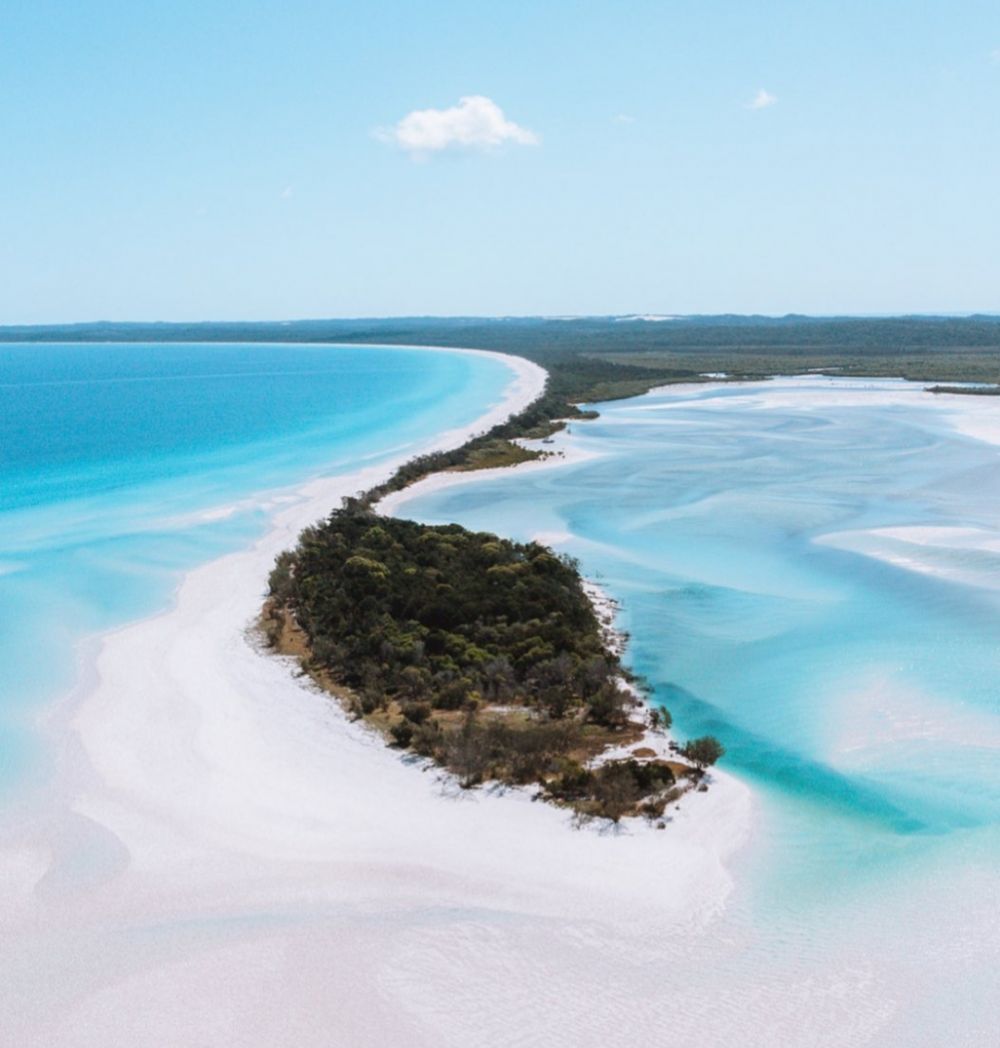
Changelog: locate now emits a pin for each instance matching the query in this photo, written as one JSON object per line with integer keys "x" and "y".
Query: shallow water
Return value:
{"x": 809, "y": 569}
{"x": 123, "y": 465}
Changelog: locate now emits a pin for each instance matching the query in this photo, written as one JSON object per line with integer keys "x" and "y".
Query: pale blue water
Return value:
{"x": 851, "y": 673}
{"x": 114, "y": 457}
{"x": 859, "y": 697}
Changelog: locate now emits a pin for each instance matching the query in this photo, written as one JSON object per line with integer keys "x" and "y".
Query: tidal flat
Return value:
{"x": 792, "y": 561}
{"x": 808, "y": 569}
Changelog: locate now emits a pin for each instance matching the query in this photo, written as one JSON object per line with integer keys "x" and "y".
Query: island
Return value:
{"x": 481, "y": 654}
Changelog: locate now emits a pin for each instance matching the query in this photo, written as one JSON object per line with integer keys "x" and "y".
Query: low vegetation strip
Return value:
{"x": 492, "y": 449}
{"x": 478, "y": 652}
{"x": 971, "y": 390}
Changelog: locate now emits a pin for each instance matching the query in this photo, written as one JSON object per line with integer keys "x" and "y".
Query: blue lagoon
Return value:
{"x": 122, "y": 466}
{"x": 810, "y": 569}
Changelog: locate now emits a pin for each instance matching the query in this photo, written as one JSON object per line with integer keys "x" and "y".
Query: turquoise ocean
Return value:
{"x": 810, "y": 570}
{"x": 123, "y": 466}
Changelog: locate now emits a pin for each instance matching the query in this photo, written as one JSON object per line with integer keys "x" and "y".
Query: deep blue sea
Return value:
{"x": 810, "y": 570}
{"x": 122, "y": 466}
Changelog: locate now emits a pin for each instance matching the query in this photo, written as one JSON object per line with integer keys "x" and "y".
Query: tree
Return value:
{"x": 402, "y": 733}
{"x": 280, "y": 579}
{"x": 704, "y": 751}
{"x": 659, "y": 717}
{"x": 466, "y": 752}
{"x": 615, "y": 791}
{"x": 609, "y": 706}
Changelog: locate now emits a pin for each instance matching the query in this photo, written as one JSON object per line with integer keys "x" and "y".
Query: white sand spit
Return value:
{"x": 225, "y": 860}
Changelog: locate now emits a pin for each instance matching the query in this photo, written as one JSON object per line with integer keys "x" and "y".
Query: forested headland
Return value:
{"x": 482, "y": 654}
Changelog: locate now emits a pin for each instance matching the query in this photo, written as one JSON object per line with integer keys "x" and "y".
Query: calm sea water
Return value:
{"x": 810, "y": 569}
{"x": 122, "y": 466}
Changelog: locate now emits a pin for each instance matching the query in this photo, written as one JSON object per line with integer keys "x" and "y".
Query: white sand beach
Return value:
{"x": 223, "y": 859}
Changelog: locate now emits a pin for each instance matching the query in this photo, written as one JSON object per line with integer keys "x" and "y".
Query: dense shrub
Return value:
{"x": 433, "y": 629}
{"x": 704, "y": 751}
{"x": 447, "y": 618}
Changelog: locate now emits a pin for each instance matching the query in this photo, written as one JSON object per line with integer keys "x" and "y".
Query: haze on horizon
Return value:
{"x": 193, "y": 161}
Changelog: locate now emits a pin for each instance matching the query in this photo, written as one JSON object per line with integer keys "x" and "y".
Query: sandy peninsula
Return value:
{"x": 224, "y": 859}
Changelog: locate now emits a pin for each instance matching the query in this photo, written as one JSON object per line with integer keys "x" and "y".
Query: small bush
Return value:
{"x": 654, "y": 808}
{"x": 416, "y": 712}
{"x": 573, "y": 781}
{"x": 426, "y": 739}
{"x": 615, "y": 791}
{"x": 704, "y": 751}
{"x": 402, "y": 733}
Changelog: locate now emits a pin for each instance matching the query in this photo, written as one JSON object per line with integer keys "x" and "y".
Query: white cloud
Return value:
{"x": 476, "y": 122}
{"x": 287, "y": 192}
{"x": 762, "y": 100}
{"x": 995, "y": 55}
{"x": 624, "y": 118}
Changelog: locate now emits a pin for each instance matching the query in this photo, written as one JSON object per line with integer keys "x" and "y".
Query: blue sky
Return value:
{"x": 213, "y": 160}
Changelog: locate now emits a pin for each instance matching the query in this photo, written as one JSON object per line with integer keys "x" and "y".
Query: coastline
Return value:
{"x": 216, "y": 818}
{"x": 391, "y": 504}
{"x": 291, "y": 509}
{"x": 654, "y": 744}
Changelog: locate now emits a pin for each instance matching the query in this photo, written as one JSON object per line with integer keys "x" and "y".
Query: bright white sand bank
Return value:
{"x": 970, "y": 556}
{"x": 225, "y": 860}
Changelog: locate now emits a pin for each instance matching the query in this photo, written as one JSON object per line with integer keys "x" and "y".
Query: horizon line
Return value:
{"x": 644, "y": 317}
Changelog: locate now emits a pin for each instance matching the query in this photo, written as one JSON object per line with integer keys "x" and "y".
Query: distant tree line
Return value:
{"x": 591, "y": 359}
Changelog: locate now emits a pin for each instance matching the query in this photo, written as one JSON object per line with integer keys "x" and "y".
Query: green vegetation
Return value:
{"x": 448, "y": 617}
{"x": 977, "y": 391}
{"x": 704, "y": 751}
{"x": 495, "y": 454}
{"x": 602, "y": 358}
{"x": 481, "y": 653}
{"x": 484, "y": 654}
{"x": 494, "y": 448}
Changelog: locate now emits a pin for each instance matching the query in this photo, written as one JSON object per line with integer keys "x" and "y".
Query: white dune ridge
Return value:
{"x": 224, "y": 859}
